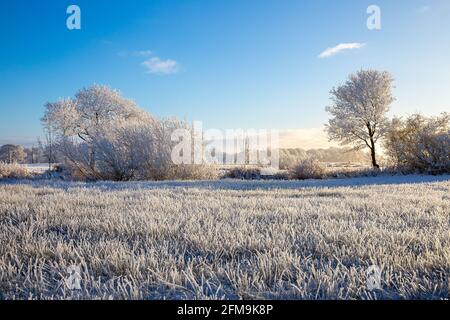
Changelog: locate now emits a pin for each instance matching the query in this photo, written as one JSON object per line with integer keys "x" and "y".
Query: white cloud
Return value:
{"x": 329, "y": 52}
{"x": 156, "y": 65}
{"x": 153, "y": 63}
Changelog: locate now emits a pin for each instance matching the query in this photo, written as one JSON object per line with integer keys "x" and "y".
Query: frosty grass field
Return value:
{"x": 227, "y": 239}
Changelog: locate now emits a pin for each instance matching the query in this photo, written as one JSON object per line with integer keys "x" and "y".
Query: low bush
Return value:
{"x": 309, "y": 169}
{"x": 244, "y": 173}
{"x": 13, "y": 171}
{"x": 420, "y": 144}
{"x": 192, "y": 172}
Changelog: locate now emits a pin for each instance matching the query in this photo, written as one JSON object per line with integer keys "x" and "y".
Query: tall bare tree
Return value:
{"x": 359, "y": 110}
{"x": 48, "y": 128}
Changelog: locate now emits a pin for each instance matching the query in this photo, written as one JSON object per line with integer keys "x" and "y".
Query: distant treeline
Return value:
{"x": 12, "y": 153}
{"x": 291, "y": 157}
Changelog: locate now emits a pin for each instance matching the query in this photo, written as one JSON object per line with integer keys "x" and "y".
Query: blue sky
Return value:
{"x": 231, "y": 64}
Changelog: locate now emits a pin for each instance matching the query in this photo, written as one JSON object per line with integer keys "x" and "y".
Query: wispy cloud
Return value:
{"x": 156, "y": 65}
{"x": 153, "y": 64}
{"x": 329, "y": 52}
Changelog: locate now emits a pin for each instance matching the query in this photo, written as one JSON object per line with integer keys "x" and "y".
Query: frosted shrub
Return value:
{"x": 193, "y": 172}
{"x": 129, "y": 152}
{"x": 420, "y": 144}
{"x": 13, "y": 171}
{"x": 309, "y": 169}
{"x": 244, "y": 173}
{"x": 289, "y": 157}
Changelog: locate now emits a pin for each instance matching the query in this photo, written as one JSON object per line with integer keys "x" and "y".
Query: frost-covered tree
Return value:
{"x": 359, "y": 110}
{"x": 90, "y": 126}
{"x": 101, "y": 135}
{"x": 10, "y": 153}
{"x": 95, "y": 108}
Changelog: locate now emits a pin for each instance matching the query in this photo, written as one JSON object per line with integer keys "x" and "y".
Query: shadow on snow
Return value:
{"x": 229, "y": 184}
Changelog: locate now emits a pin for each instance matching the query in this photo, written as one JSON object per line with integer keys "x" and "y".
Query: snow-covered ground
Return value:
{"x": 36, "y": 167}
{"x": 227, "y": 239}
